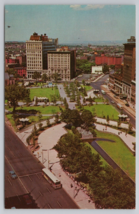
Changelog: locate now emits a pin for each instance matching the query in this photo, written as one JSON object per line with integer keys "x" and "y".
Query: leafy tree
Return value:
{"x": 44, "y": 77}
{"x": 14, "y": 93}
{"x": 83, "y": 82}
{"x": 55, "y": 76}
{"x": 65, "y": 103}
{"x": 134, "y": 147}
{"x": 105, "y": 68}
{"x": 40, "y": 116}
{"x": 56, "y": 118}
{"x": 48, "y": 122}
{"x": 130, "y": 128}
{"x": 87, "y": 118}
{"x": 71, "y": 116}
{"x": 108, "y": 118}
{"x": 36, "y": 75}
{"x": 40, "y": 126}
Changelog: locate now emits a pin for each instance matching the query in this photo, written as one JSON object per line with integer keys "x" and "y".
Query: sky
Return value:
{"x": 70, "y": 23}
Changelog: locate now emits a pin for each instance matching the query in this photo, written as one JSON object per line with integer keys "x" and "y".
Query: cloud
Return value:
{"x": 87, "y": 7}
{"x": 6, "y": 11}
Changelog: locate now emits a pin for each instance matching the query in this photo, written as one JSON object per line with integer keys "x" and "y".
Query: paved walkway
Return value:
{"x": 128, "y": 139}
{"x": 47, "y": 140}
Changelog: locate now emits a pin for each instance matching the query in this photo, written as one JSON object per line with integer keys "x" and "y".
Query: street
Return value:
{"x": 97, "y": 85}
{"x": 30, "y": 180}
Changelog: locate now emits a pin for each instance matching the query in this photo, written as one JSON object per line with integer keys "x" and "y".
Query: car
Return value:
{"x": 12, "y": 174}
{"x": 127, "y": 104}
{"x": 27, "y": 199}
{"x": 112, "y": 102}
{"x": 115, "y": 96}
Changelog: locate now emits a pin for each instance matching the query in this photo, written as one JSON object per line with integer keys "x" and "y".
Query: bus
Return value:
{"x": 51, "y": 178}
{"x": 103, "y": 92}
{"x": 119, "y": 106}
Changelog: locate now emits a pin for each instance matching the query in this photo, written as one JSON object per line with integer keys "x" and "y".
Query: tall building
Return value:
{"x": 36, "y": 52}
{"x": 129, "y": 66}
{"x": 62, "y": 62}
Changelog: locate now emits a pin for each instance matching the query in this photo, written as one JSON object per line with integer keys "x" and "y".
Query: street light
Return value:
{"x": 48, "y": 155}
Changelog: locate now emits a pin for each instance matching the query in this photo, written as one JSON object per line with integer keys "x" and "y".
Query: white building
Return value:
{"x": 97, "y": 69}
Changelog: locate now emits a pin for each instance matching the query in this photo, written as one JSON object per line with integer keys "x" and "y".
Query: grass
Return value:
{"x": 37, "y": 109}
{"x": 32, "y": 119}
{"x": 104, "y": 110}
{"x": 99, "y": 100}
{"x": 43, "y": 92}
{"x": 118, "y": 152}
{"x": 88, "y": 87}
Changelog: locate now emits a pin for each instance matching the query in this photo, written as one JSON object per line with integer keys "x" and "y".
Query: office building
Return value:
{"x": 62, "y": 62}
{"x": 36, "y": 53}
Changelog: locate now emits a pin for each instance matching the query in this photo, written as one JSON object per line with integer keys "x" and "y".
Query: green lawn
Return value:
{"x": 88, "y": 87}
{"x": 118, "y": 152}
{"x": 38, "y": 109}
{"x": 99, "y": 100}
{"x": 104, "y": 110}
{"x": 43, "y": 92}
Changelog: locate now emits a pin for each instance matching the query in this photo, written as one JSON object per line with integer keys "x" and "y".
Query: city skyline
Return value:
{"x": 70, "y": 23}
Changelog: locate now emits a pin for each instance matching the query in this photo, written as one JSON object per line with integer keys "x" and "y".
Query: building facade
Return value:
{"x": 109, "y": 60}
{"x": 36, "y": 53}
{"x": 21, "y": 71}
{"x": 61, "y": 62}
{"x": 97, "y": 69}
{"x": 129, "y": 68}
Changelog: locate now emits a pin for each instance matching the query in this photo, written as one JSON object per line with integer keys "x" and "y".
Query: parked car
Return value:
{"x": 12, "y": 174}
{"x": 115, "y": 96}
{"x": 112, "y": 102}
{"x": 27, "y": 199}
{"x": 127, "y": 104}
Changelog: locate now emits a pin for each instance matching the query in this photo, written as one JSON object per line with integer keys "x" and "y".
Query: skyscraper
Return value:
{"x": 36, "y": 52}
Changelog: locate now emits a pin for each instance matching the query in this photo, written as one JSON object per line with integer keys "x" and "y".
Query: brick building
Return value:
{"x": 21, "y": 71}
{"x": 109, "y": 60}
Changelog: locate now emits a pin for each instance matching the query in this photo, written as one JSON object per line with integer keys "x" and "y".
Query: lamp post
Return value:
{"x": 48, "y": 156}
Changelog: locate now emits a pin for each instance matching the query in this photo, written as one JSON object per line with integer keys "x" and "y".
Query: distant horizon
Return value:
{"x": 106, "y": 42}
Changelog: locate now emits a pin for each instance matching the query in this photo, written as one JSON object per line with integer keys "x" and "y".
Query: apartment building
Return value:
{"x": 36, "y": 53}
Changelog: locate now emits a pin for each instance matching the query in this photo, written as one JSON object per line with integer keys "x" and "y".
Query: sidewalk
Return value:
{"x": 127, "y": 139}
{"x": 48, "y": 139}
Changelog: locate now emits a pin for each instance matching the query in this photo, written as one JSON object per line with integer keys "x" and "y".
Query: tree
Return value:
{"x": 36, "y": 75}
{"x": 71, "y": 116}
{"x": 44, "y": 77}
{"x": 107, "y": 118}
{"x": 35, "y": 130}
{"x": 48, "y": 122}
{"x": 83, "y": 82}
{"x": 65, "y": 103}
{"x": 14, "y": 93}
{"x": 134, "y": 147}
{"x": 105, "y": 68}
{"x": 40, "y": 126}
{"x": 40, "y": 116}
{"x": 55, "y": 76}
{"x": 130, "y": 128}
{"x": 56, "y": 118}
{"x": 87, "y": 118}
